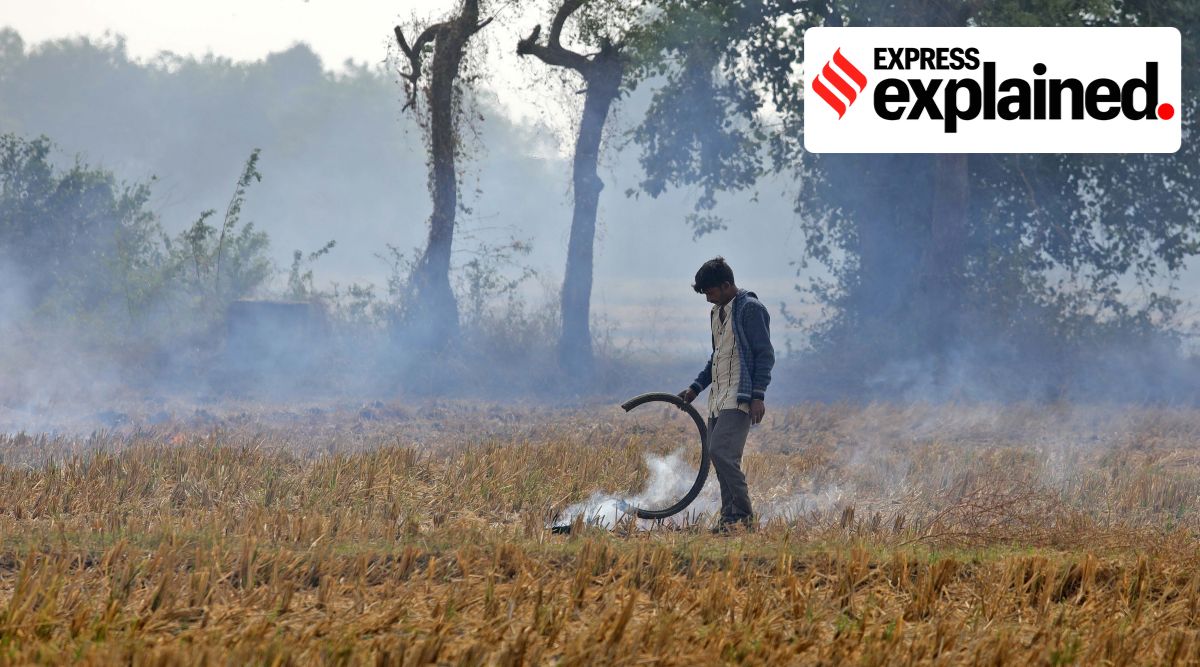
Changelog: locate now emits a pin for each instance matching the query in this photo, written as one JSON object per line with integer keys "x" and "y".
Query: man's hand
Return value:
{"x": 687, "y": 395}
{"x": 757, "y": 410}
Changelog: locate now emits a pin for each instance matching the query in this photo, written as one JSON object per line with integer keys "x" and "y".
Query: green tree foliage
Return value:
{"x": 83, "y": 248}
{"x": 75, "y": 239}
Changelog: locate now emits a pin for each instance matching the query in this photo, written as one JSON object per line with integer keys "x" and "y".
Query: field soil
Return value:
{"x": 420, "y": 534}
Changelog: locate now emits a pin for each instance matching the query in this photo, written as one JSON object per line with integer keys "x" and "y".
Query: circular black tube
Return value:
{"x": 701, "y": 476}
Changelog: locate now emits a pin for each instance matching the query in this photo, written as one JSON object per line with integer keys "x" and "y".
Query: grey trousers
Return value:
{"x": 726, "y": 440}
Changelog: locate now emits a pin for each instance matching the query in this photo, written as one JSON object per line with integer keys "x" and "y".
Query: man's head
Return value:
{"x": 715, "y": 281}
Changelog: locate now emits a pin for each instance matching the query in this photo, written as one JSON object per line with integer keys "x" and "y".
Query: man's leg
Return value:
{"x": 726, "y": 442}
{"x": 721, "y": 482}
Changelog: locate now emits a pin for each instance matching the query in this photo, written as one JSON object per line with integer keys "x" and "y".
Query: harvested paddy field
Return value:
{"x": 419, "y": 534}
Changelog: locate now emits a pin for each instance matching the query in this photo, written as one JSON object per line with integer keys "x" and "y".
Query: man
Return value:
{"x": 739, "y": 371}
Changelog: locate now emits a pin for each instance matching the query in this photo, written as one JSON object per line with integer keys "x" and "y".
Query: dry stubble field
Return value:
{"x": 411, "y": 535}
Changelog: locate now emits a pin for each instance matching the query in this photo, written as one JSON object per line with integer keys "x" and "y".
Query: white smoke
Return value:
{"x": 794, "y": 503}
{"x": 14, "y": 302}
{"x": 670, "y": 478}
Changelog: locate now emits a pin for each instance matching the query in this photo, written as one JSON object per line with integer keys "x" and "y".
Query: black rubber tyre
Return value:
{"x": 701, "y": 476}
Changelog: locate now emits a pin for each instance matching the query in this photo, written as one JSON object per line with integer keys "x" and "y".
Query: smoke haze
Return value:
{"x": 341, "y": 162}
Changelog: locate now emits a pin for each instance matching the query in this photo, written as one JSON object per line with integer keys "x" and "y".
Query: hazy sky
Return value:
{"x": 358, "y": 30}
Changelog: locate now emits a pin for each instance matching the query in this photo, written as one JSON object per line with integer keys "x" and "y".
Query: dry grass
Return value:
{"x": 389, "y": 535}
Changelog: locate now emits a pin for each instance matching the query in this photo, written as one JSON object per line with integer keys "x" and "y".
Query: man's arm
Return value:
{"x": 757, "y": 325}
{"x": 698, "y": 385}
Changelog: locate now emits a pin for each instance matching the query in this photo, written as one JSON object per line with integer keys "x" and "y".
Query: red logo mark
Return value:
{"x": 833, "y": 77}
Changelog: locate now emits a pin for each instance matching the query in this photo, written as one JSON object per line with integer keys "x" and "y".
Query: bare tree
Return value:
{"x": 602, "y": 73}
{"x": 432, "y": 311}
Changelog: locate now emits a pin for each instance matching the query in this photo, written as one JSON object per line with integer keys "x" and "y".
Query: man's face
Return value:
{"x": 719, "y": 295}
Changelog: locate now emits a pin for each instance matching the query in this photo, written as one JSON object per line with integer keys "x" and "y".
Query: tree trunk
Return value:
{"x": 602, "y": 72}
{"x": 435, "y": 312}
{"x": 944, "y": 273}
{"x": 431, "y": 313}
{"x": 945, "y": 265}
{"x": 575, "y": 342}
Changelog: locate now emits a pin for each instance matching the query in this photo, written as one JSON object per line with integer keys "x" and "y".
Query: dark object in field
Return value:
{"x": 701, "y": 475}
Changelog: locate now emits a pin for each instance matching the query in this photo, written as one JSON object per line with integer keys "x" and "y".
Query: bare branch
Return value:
{"x": 413, "y": 54}
{"x": 560, "y": 18}
{"x": 483, "y": 25}
{"x": 524, "y": 45}
{"x": 553, "y": 52}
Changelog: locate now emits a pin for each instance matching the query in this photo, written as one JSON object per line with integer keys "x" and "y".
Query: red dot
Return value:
{"x": 1166, "y": 111}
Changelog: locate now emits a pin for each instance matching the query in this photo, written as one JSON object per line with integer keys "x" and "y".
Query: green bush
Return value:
{"x": 76, "y": 242}
{"x": 85, "y": 253}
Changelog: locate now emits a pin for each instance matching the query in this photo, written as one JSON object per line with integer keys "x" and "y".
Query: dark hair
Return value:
{"x": 714, "y": 273}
